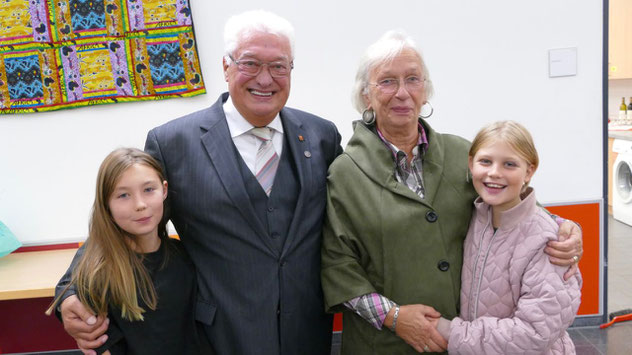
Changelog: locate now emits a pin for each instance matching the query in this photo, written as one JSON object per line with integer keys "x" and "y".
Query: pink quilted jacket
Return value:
{"x": 513, "y": 300}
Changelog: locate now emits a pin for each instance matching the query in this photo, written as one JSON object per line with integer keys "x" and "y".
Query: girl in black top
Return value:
{"x": 129, "y": 268}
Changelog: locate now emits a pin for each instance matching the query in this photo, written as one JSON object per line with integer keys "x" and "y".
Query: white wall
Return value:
{"x": 488, "y": 61}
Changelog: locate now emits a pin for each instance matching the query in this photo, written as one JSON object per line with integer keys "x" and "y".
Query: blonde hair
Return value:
{"x": 512, "y": 133}
{"x": 110, "y": 272}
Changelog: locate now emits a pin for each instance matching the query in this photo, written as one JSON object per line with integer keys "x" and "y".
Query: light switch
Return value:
{"x": 562, "y": 62}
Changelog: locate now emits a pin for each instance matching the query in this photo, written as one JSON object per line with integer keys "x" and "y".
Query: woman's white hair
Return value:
{"x": 386, "y": 48}
{"x": 241, "y": 27}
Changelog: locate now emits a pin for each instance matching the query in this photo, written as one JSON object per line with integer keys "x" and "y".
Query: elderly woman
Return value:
{"x": 399, "y": 204}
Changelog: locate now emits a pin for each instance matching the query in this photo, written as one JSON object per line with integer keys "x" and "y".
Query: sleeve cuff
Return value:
{"x": 372, "y": 307}
{"x": 443, "y": 327}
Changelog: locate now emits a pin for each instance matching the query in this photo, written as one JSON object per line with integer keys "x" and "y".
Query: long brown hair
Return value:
{"x": 110, "y": 272}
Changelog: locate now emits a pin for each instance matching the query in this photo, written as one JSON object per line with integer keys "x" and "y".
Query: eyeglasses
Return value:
{"x": 252, "y": 67}
{"x": 391, "y": 85}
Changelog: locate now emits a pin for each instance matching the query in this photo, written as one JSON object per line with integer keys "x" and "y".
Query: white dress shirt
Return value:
{"x": 247, "y": 144}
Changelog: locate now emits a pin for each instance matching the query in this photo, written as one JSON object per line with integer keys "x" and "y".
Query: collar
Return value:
{"x": 238, "y": 125}
{"x": 513, "y": 216}
{"x": 375, "y": 159}
{"x": 422, "y": 141}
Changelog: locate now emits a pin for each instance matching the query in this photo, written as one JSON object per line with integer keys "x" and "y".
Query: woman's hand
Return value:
{"x": 568, "y": 249}
{"x": 87, "y": 330}
{"x": 416, "y": 325}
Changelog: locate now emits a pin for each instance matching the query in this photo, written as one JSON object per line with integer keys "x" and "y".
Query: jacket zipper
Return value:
{"x": 474, "y": 295}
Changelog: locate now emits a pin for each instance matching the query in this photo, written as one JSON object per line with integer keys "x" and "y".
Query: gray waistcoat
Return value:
{"x": 276, "y": 211}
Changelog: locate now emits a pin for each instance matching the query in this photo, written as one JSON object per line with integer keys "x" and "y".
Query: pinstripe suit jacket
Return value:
{"x": 253, "y": 298}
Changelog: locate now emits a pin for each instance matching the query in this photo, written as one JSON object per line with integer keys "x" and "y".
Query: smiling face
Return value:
{"x": 399, "y": 110}
{"x": 136, "y": 204}
{"x": 498, "y": 175}
{"x": 259, "y": 98}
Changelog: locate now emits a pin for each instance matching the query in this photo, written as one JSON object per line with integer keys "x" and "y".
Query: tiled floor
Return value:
{"x": 616, "y": 339}
{"x": 619, "y": 265}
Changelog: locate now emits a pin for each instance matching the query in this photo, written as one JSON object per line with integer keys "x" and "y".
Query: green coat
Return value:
{"x": 379, "y": 236}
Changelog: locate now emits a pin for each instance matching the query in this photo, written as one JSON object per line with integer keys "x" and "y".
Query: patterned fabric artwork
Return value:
{"x": 59, "y": 54}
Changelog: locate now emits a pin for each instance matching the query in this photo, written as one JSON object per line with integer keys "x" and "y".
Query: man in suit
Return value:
{"x": 247, "y": 190}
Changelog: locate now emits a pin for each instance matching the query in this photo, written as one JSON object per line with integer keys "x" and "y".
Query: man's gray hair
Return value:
{"x": 244, "y": 25}
{"x": 386, "y": 48}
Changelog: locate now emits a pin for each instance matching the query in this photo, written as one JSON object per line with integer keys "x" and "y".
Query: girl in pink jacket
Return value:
{"x": 513, "y": 300}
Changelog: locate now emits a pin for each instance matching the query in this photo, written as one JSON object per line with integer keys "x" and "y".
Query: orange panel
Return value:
{"x": 587, "y": 215}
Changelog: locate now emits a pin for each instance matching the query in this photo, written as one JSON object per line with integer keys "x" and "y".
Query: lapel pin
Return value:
{"x": 307, "y": 154}
{"x": 300, "y": 138}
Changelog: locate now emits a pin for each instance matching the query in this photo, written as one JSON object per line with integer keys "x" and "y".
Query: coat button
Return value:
{"x": 274, "y": 235}
{"x": 431, "y": 216}
{"x": 270, "y": 209}
{"x": 443, "y": 265}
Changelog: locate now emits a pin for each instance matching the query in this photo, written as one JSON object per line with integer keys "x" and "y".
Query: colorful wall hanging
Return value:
{"x": 59, "y": 54}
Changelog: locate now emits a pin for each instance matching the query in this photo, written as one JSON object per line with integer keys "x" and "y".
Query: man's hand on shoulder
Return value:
{"x": 568, "y": 249}
{"x": 87, "y": 329}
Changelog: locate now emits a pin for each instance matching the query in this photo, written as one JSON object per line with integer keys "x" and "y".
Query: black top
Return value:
{"x": 171, "y": 328}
